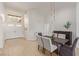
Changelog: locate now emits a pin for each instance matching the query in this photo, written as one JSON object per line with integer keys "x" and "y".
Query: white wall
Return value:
{"x": 77, "y": 22}
{"x": 77, "y": 19}
{"x": 2, "y": 18}
{"x": 37, "y": 19}
{"x": 77, "y": 28}
{"x": 35, "y": 23}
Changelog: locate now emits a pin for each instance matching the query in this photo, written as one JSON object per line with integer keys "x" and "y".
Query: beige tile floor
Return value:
{"x": 21, "y": 47}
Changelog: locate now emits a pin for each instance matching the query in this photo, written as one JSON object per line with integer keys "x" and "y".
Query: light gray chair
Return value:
{"x": 48, "y": 45}
{"x": 40, "y": 42}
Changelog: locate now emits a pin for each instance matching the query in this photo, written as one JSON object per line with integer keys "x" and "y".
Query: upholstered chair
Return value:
{"x": 48, "y": 45}
{"x": 68, "y": 50}
{"x": 39, "y": 42}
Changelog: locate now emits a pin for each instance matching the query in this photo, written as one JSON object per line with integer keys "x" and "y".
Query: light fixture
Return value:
{"x": 54, "y": 11}
{"x": 52, "y": 8}
{"x": 52, "y": 21}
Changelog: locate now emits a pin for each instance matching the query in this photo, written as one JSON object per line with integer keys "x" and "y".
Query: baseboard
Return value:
{"x": 16, "y": 38}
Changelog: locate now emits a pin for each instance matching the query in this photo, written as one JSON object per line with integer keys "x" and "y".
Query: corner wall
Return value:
{"x": 2, "y": 18}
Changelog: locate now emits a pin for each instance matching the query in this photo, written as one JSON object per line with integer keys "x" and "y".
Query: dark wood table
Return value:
{"x": 60, "y": 41}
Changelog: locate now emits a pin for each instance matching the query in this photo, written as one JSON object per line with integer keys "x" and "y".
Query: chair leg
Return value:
{"x": 43, "y": 50}
{"x": 50, "y": 54}
{"x": 38, "y": 47}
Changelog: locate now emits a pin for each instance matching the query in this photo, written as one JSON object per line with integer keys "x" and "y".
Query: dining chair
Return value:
{"x": 40, "y": 42}
{"x": 68, "y": 50}
{"x": 48, "y": 45}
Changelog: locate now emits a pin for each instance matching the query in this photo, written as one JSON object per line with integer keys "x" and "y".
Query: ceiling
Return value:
{"x": 24, "y": 6}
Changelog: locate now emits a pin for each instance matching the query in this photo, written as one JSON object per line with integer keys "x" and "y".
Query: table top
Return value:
{"x": 58, "y": 40}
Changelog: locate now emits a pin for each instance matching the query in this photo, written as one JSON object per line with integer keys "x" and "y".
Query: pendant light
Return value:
{"x": 54, "y": 11}
{"x": 52, "y": 8}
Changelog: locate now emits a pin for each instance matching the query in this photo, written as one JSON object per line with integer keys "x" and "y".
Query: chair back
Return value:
{"x": 75, "y": 43}
{"x": 47, "y": 43}
{"x": 39, "y": 40}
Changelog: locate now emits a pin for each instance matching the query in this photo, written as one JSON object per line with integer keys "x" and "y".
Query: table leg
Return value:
{"x": 58, "y": 49}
